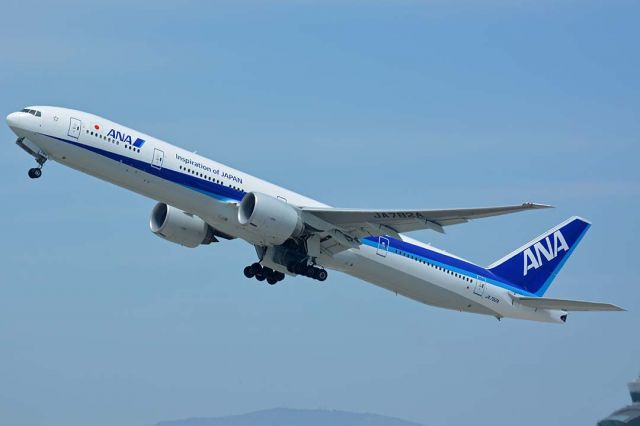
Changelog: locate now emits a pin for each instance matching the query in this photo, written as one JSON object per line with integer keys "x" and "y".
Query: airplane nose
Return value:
{"x": 13, "y": 119}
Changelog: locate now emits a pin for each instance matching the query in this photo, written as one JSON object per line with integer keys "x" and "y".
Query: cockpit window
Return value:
{"x": 32, "y": 112}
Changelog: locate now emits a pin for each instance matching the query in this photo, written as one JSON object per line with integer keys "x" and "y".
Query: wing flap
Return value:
{"x": 566, "y": 305}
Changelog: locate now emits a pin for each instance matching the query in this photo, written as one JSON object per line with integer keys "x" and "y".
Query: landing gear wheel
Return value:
{"x": 248, "y": 272}
{"x": 256, "y": 268}
{"x": 321, "y": 275}
{"x": 311, "y": 271}
{"x": 272, "y": 276}
{"x": 35, "y": 173}
{"x": 260, "y": 277}
{"x": 300, "y": 268}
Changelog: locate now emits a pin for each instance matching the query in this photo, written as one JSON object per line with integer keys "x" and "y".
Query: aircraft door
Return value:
{"x": 481, "y": 283}
{"x": 383, "y": 246}
{"x": 74, "y": 128}
{"x": 158, "y": 158}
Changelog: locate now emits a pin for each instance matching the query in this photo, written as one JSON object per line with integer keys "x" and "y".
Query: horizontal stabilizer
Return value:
{"x": 566, "y": 305}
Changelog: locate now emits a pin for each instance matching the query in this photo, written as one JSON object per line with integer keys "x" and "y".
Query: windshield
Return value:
{"x": 32, "y": 112}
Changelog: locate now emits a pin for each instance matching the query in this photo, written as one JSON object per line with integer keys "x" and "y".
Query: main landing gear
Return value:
{"x": 308, "y": 271}
{"x": 262, "y": 273}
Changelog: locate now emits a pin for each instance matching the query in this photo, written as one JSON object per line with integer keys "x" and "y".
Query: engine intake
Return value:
{"x": 180, "y": 227}
{"x": 272, "y": 220}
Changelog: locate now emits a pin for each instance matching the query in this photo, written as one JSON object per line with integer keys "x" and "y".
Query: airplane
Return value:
{"x": 201, "y": 201}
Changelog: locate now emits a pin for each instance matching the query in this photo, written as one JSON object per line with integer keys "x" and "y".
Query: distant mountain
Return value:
{"x": 293, "y": 417}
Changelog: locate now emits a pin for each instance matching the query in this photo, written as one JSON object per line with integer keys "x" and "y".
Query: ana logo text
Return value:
{"x": 123, "y": 137}
{"x": 544, "y": 250}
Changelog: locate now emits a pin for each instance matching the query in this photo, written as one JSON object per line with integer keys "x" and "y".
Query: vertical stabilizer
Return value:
{"x": 533, "y": 266}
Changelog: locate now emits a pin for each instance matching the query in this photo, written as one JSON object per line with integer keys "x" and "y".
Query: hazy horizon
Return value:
{"x": 293, "y": 417}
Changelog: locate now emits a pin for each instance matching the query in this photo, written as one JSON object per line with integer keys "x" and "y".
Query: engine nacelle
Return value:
{"x": 272, "y": 220}
{"x": 180, "y": 227}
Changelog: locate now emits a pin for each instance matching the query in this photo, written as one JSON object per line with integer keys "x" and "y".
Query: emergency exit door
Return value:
{"x": 481, "y": 283}
{"x": 158, "y": 158}
{"x": 383, "y": 246}
{"x": 74, "y": 128}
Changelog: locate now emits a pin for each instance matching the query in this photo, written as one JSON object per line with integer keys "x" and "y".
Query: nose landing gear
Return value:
{"x": 40, "y": 157}
{"x": 35, "y": 172}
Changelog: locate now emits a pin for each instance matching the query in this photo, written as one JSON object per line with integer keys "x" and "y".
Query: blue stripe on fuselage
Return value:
{"x": 198, "y": 184}
{"x": 444, "y": 261}
{"x": 227, "y": 194}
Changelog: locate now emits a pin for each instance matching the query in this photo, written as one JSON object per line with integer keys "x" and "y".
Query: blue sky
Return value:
{"x": 358, "y": 104}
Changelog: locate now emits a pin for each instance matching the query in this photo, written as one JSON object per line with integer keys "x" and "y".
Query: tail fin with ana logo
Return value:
{"x": 533, "y": 266}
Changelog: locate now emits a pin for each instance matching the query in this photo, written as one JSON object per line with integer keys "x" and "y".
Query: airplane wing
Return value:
{"x": 359, "y": 223}
{"x": 566, "y": 305}
{"x": 340, "y": 229}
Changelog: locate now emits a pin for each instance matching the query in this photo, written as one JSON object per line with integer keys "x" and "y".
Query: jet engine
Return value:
{"x": 272, "y": 220}
{"x": 180, "y": 227}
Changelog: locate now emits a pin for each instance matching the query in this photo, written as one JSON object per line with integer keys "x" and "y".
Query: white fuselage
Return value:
{"x": 211, "y": 190}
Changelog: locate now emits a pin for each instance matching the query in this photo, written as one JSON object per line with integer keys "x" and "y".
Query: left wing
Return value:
{"x": 341, "y": 229}
{"x": 359, "y": 223}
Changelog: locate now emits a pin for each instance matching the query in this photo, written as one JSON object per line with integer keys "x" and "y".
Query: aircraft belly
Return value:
{"x": 407, "y": 278}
